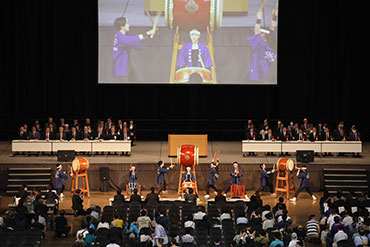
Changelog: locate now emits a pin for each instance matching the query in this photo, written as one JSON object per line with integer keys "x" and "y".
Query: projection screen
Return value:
{"x": 211, "y": 42}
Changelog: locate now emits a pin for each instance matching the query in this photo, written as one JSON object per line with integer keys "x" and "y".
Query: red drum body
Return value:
{"x": 80, "y": 165}
{"x": 187, "y": 155}
{"x": 183, "y": 75}
{"x": 284, "y": 164}
{"x": 189, "y": 14}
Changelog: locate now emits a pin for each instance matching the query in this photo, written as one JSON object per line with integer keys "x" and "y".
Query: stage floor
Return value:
{"x": 153, "y": 151}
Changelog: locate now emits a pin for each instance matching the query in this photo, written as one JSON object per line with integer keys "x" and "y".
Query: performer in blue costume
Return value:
{"x": 265, "y": 179}
{"x": 303, "y": 174}
{"x": 162, "y": 170}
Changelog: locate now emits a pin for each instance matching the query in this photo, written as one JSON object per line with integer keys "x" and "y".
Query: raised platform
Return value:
{"x": 146, "y": 154}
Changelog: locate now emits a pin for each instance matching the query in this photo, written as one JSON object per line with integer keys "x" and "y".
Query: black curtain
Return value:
{"x": 50, "y": 54}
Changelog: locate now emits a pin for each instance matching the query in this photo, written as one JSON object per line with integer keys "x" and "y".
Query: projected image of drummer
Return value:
{"x": 123, "y": 42}
{"x": 263, "y": 42}
{"x": 194, "y": 55}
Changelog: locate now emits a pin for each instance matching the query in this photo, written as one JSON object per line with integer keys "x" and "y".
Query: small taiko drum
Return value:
{"x": 183, "y": 75}
{"x": 80, "y": 165}
{"x": 188, "y": 155}
{"x": 189, "y": 14}
{"x": 284, "y": 164}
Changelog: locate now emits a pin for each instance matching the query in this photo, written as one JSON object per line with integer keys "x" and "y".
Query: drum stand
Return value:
{"x": 84, "y": 181}
{"x": 237, "y": 190}
{"x": 285, "y": 183}
{"x": 177, "y": 47}
{"x": 181, "y": 188}
{"x": 130, "y": 189}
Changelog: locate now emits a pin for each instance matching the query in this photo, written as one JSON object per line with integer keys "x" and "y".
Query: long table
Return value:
{"x": 78, "y": 146}
{"x": 294, "y": 146}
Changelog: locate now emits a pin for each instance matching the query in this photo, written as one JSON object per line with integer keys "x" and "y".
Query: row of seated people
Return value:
{"x": 87, "y": 131}
{"x": 345, "y": 219}
{"x": 243, "y": 224}
{"x": 304, "y": 131}
{"x": 27, "y": 220}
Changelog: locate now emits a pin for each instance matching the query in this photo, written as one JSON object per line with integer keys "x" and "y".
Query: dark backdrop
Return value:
{"x": 50, "y": 51}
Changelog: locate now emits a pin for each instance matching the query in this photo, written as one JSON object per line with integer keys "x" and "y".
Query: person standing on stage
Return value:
{"x": 213, "y": 176}
{"x": 160, "y": 176}
{"x": 265, "y": 179}
{"x": 235, "y": 174}
{"x": 132, "y": 179}
{"x": 302, "y": 173}
{"x": 59, "y": 177}
{"x": 122, "y": 42}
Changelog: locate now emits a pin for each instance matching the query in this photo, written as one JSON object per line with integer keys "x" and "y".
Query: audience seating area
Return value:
{"x": 343, "y": 220}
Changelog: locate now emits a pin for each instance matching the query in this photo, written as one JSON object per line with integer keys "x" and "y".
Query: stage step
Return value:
{"x": 32, "y": 177}
{"x": 345, "y": 180}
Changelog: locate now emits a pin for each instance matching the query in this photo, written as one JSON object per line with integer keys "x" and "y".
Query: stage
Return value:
{"x": 145, "y": 155}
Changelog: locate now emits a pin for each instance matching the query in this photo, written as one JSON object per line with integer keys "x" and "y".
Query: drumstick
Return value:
{"x": 156, "y": 22}
{"x": 276, "y": 6}
{"x": 151, "y": 20}
{"x": 214, "y": 156}
{"x": 263, "y": 5}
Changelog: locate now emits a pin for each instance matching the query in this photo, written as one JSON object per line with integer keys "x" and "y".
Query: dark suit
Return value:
{"x": 135, "y": 198}
{"x": 34, "y": 135}
{"x": 314, "y": 136}
{"x": 99, "y": 136}
{"x": 61, "y": 136}
{"x": 326, "y": 137}
{"x": 251, "y": 136}
{"x": 111, "y": 136}
{"x": 51, "y": 136}
{"x": 22, "y": 135}
{"x": 354, "y": 136}
{"x": 86, "y": 135}
{"x": 284, "y": 137}
{"x": 152, "y": 198}
{"x": 300, "y": 137}
{"x": 268, "y": 137}
{"x": 75, "y": 135}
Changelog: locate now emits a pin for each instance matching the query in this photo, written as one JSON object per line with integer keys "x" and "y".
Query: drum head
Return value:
{"x": 75, "y": 165}
{"x": 290, "y": 164}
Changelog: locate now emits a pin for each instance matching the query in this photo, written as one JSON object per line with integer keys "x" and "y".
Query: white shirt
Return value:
{"x": 199, "y": 215}
{"x": 112, "y": 245}
{"x": 103, "y": 225}
{"x": 189, "y": 223}
{"x": 340, "y": 235}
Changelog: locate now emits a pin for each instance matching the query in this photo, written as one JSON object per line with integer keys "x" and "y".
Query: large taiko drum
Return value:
{"x": 188, "y": 155}
{"x": 80, "y": 165}
{"x": 189, "y": 14}
{"x": 284, "y": 164}
{"x": 183, "y": 75}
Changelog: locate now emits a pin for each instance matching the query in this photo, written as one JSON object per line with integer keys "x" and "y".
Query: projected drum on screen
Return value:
{"x": 229, "y": 42}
